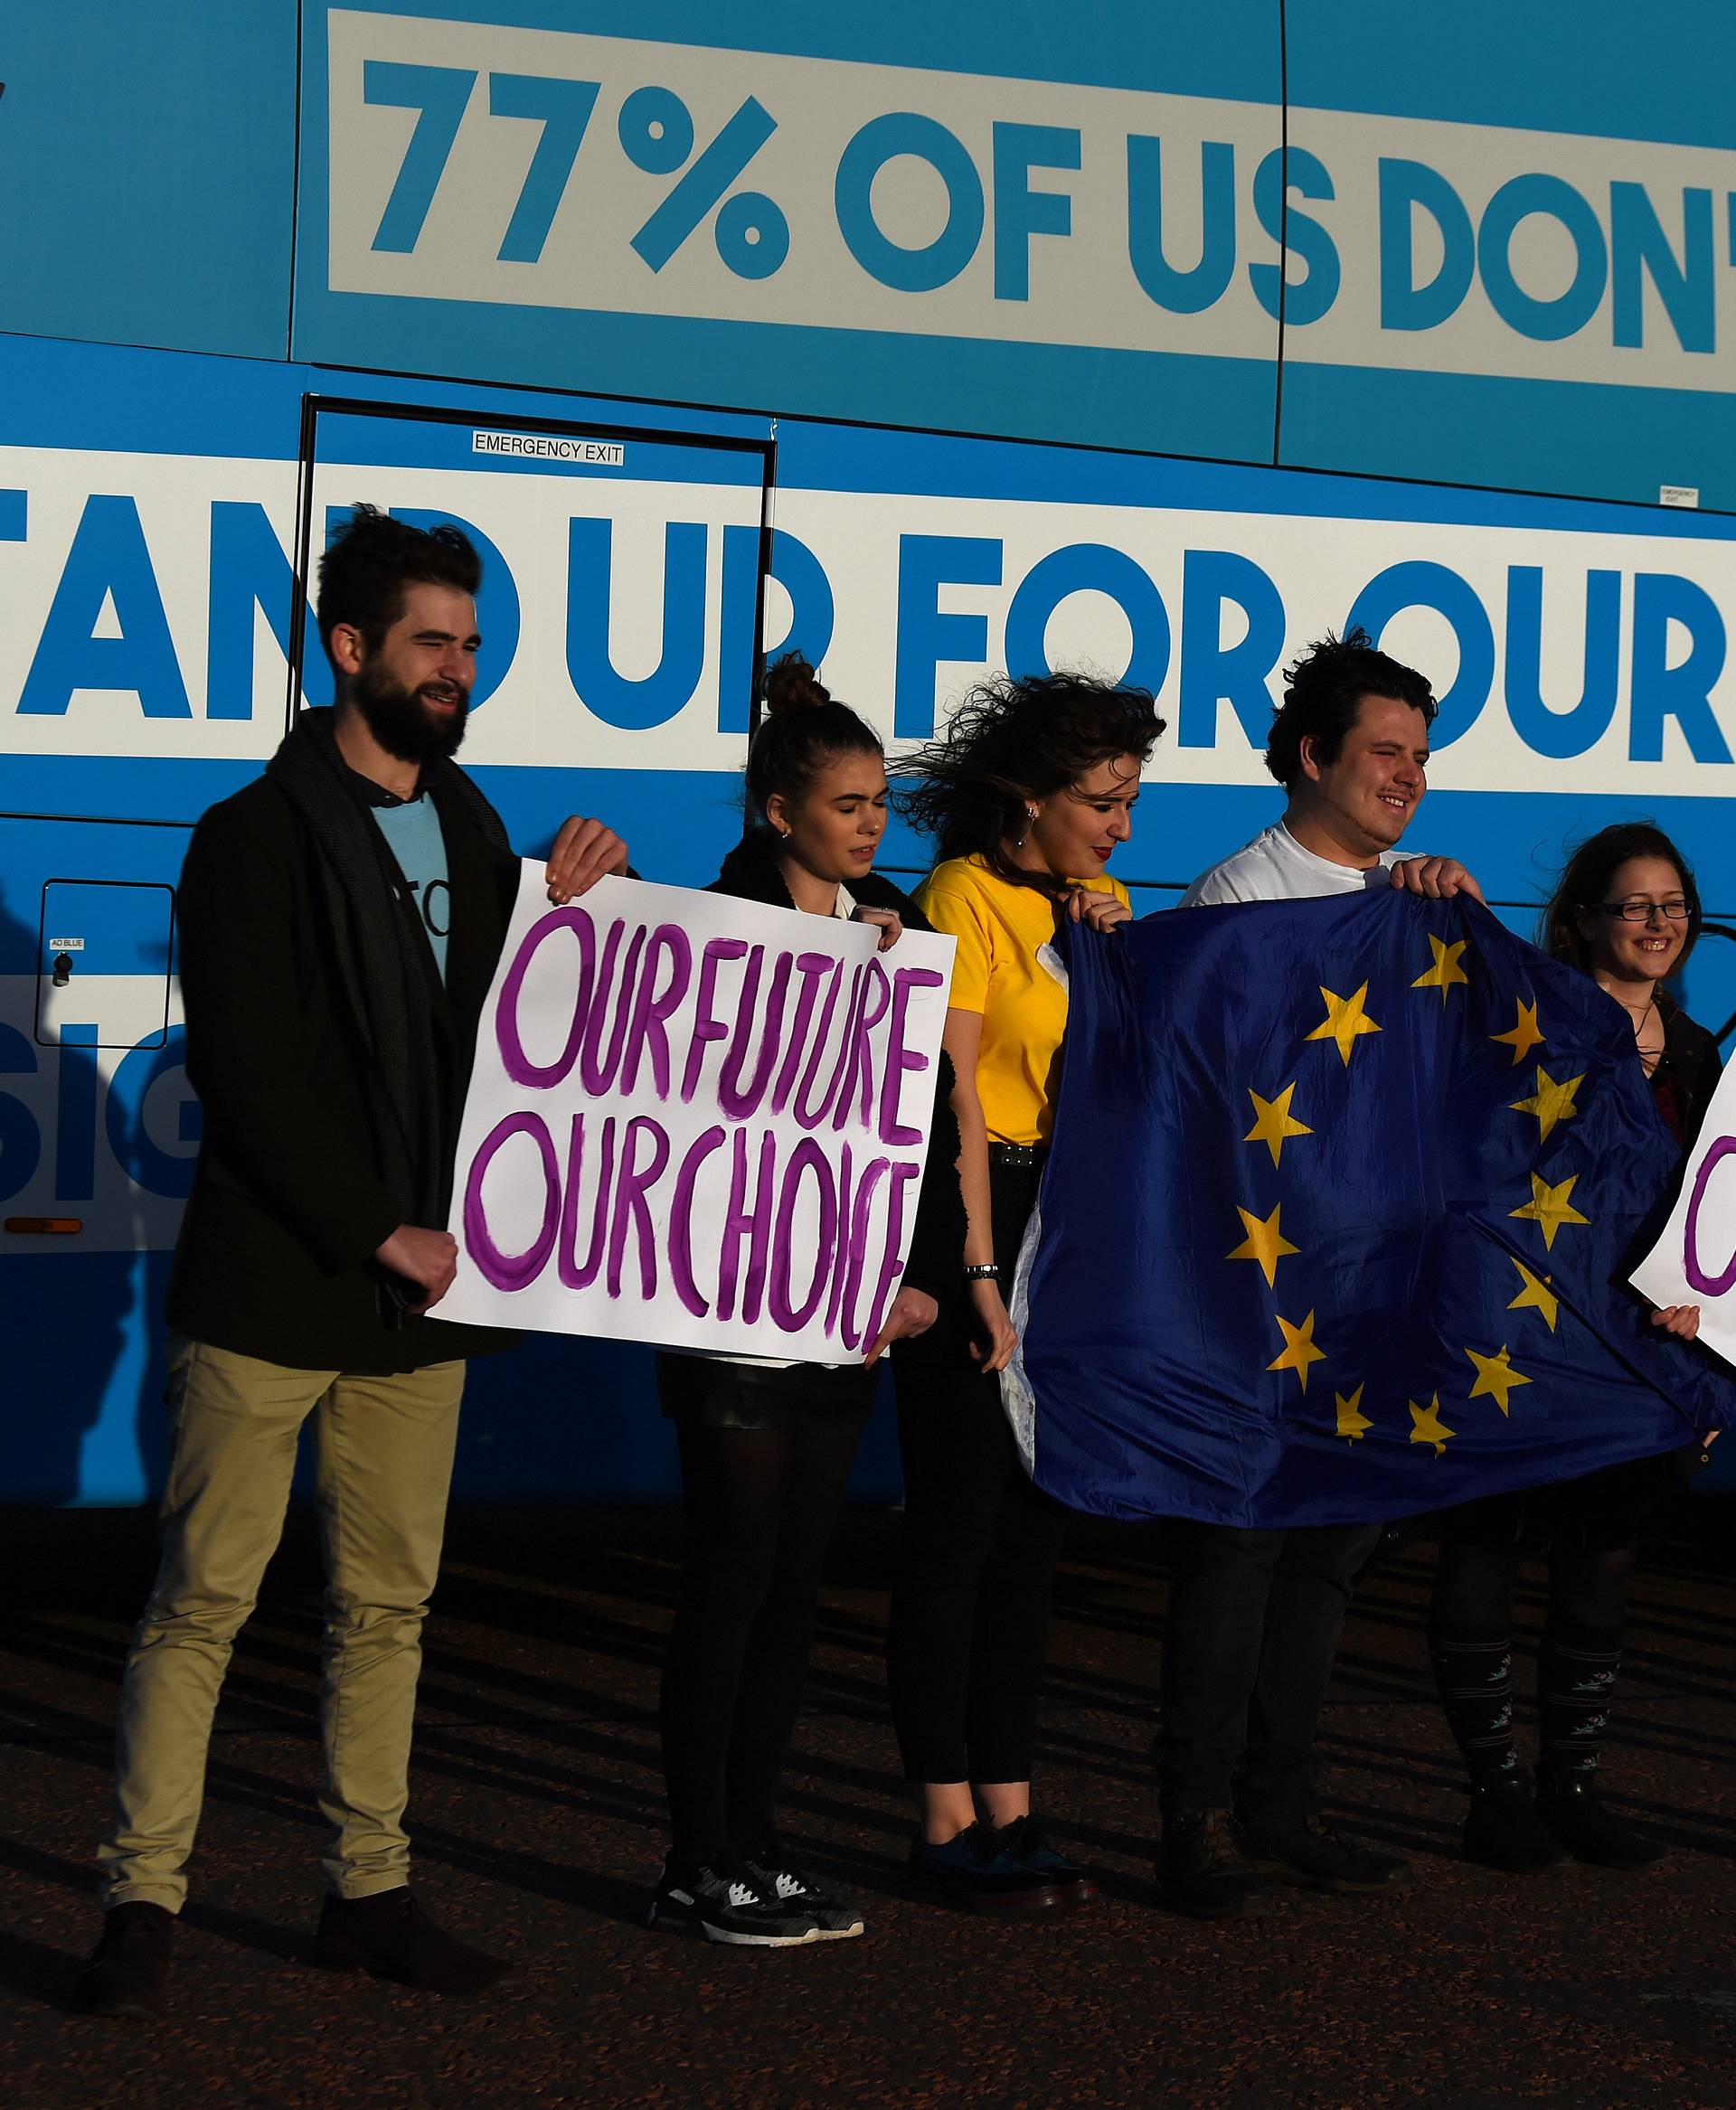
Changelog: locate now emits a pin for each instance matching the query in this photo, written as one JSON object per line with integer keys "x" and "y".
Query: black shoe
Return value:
{"x": 389, "y": 1935}
{"x": 1023, "y": 1841}
{"x": 1307, "y": 1851}
{"x": 975, "y": 1872}
{"x": 1573, "y": 1811}
{"x": 1504, "y": 1830}
{"x": 127, "y": 1972}
{"x": 728, "y": 1904}
{"x": 1203, "y": 1872}
{"x": 780, "y": 1882}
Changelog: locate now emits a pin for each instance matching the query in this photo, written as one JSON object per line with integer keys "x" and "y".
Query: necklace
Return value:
{"x": 1651, "y": 1052}
{"x": 1635, "y": 1011}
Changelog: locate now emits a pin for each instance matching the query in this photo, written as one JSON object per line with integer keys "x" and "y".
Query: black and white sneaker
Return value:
{"x": 777, "y": 1878}
{"x": 726, "y": 1904}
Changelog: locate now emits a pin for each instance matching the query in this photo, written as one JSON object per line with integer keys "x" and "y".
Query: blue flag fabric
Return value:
{"x": 1337, "y": 1221}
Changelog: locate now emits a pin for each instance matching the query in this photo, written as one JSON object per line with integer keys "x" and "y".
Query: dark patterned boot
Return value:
{"x": 1504, "y": 1831}
{"x": 1569, "y": 1804}
{"x": 1576, "y": 1681}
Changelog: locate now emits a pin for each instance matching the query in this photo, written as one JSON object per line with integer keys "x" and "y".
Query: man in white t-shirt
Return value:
{"x": 1354, "y": 761}
{"x": 1255, "y": 1616}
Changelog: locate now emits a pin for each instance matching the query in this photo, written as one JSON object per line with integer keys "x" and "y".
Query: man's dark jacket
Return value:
{"x": 297, "y": 1181}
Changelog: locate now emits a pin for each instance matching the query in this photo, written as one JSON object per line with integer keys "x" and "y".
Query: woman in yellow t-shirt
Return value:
{"x": 1027, "y": 794}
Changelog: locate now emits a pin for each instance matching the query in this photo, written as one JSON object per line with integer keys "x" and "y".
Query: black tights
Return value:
{"x": 1588, "y": 1590}
{"x": 761, "y": 1503}
{"x": 1470, "y": 1644}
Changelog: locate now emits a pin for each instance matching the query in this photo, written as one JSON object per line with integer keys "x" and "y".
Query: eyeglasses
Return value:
{"x": 1643, "y": 911}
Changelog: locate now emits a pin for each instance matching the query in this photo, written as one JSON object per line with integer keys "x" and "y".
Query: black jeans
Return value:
{"x": 761, "y": 1503}
{"x": 1252, "y": 1630}
{"x": 969, "y": 1629}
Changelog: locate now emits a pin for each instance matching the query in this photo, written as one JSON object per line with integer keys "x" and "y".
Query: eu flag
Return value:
{"x": 1337, "y": 1221}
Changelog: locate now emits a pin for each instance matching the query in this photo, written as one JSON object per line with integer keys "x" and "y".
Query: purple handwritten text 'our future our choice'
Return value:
{"x": 751, "y": 1032}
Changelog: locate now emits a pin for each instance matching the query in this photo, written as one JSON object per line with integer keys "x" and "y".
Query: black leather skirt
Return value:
{"x": 707, "y": 1392}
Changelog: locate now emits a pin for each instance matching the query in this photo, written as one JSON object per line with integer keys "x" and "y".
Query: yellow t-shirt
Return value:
{"x": 999, "y": 929}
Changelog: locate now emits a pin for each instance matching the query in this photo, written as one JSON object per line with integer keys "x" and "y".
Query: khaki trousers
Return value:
{"x": 385, "y": 1450}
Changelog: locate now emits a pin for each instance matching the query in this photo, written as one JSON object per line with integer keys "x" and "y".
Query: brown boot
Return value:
{"x": 1203, "y": 1872}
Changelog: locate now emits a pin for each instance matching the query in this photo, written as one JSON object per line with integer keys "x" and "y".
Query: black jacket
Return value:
{"x": 291, "y": 1193}
{"x": 1691, "y": 1066}
{"x": 937, "y": 1252}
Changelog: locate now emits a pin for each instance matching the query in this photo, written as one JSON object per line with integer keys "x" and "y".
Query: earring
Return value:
{"x": 1030, "y": 822}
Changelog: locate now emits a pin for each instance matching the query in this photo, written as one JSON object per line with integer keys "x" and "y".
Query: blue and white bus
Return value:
{"x": 1153, "y": 339}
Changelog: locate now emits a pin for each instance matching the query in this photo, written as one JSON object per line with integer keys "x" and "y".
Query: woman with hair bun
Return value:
{"x": 1626, "y": 911}
{"x": 766, "y": 1446}
{"x": 1027, "y": 794}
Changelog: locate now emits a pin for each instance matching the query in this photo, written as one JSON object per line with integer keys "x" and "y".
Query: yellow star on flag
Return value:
{"x": 1353, "y": 1423}
{"x": 1535, "y": 1295}
{"x": 1299, "y": 1350}
{"x": 1427, "y": 1426}
{"x": 1550, "y": 1207}
{"x": 1495, "y": 1376}
{"x": 1446, "y": 971}
{"x": 1524, "y": 1036}
{"x": 1265, "y": 1243}
{"x": 1344, "y": 1021}
{"x": 1273, "y": 1124}
{"x": 1550, "y": 1102}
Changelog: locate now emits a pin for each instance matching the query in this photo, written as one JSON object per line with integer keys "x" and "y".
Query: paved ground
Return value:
{"x": 537, "y": 1817}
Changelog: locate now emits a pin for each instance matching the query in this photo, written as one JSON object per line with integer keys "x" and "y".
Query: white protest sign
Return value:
{"x": 1695, "y": 1260}
{"x": 695, "y": 1121}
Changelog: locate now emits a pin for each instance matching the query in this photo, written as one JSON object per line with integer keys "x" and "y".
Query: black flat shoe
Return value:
{"x": 392, "y": 1936}
{"x": 1024, "y": 1841}
{"x": 976, "y": 1873}
{"x": 1310, "y": 1854}
{"x": 127, "y": 1972}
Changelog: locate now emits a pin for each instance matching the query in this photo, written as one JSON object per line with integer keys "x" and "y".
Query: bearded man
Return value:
{"x": 340, "y": 922}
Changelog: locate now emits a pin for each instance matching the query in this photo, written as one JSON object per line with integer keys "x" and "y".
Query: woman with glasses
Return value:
{"x": 1626, "y": 912}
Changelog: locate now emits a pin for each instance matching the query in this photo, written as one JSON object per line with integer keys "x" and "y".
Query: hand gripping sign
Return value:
{"x": 695, "y": 1121}
{"x": 1693, "y": 1261}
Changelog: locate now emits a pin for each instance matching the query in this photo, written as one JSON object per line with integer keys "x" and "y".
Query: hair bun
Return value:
{"x": 790, "y": 682}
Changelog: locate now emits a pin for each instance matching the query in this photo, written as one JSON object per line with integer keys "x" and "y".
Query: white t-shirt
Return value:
{"x": 1275, "y": 867}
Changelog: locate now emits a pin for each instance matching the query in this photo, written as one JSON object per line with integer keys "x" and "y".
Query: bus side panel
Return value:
{"x": 97, "y": 1136}
{"x": 907, "y": 565}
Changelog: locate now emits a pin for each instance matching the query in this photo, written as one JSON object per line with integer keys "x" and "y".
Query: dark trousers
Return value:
{"x": 969, "y": 1629}
{"x": 761, "y": 1503}
{"x": 1251, "y": 1633}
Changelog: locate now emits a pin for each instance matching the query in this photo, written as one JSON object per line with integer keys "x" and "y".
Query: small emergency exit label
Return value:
{"x": 552, "y": 447}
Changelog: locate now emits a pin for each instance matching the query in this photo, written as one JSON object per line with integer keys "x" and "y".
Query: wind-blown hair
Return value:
{"x": 1324, "y": 692}
{"x": 1013, "y": 740}
{"x": 373, "y": 557}
{"x": 1585, "y": 884}
{"x": 804, "y": 730}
